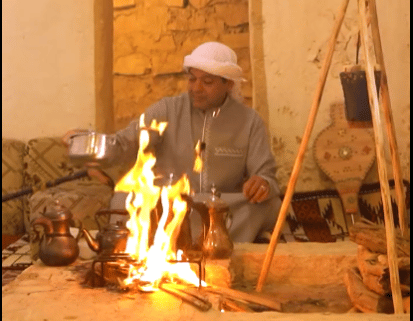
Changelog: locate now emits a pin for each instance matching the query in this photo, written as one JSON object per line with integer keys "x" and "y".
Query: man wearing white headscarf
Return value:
{"x": 236, "y": 153}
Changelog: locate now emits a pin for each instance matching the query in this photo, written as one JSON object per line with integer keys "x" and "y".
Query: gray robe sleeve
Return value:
{"x": 126, "y": 140}
{"x": 260, "y": 160}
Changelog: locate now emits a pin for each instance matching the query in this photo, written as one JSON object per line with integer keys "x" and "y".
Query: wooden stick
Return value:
{"x": 303, "y": 146}
{"x": 384, "y": 91}
{"x": 200, "y": 304}
{"x": 192, "y": 290}
{"x": 238, "y": 295}
{"x": 381, "y": 163}
{"x": 230, "y": 305}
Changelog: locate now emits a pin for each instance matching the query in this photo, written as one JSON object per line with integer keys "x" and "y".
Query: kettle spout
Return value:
{"x": 93, "y": 244}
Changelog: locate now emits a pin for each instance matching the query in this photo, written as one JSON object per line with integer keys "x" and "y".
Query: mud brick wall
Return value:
{"x": 151, "y": 38}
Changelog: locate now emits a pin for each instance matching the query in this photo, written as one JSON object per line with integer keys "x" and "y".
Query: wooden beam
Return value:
{"x": 381, "y": 162}
{"x": 103, "y": 20}
{"x": 388, "y": 117}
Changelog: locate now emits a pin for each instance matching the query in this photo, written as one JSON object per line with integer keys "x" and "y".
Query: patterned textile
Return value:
{"x": 46, "y": 160}
{"x": 12, "y": 180}
{"x": 318, "y": 216}
{"x": 15, "y": 258}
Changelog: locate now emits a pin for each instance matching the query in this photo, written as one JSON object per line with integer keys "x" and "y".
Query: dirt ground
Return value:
{"x": 56, "y": 293}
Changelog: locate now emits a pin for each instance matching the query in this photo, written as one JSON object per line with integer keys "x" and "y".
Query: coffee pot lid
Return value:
{"x": 215, "y": 201}
{"x": 58, "y": 212}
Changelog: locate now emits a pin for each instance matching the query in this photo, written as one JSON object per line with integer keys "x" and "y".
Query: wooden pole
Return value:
{"x": 384, "y": 91}
{"x": 298, "y": 161}
{"x": 381, "y": 163}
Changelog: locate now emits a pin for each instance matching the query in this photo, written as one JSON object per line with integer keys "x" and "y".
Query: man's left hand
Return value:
{"x": 256, "y": 189}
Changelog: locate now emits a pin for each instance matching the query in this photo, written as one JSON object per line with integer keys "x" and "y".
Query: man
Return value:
{"x": 236, "y": 154}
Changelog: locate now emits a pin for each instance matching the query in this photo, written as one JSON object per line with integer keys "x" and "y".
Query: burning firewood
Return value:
{"x": 198, "y": 300}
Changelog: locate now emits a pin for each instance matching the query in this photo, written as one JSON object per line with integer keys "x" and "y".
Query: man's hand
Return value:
{"x": 66, "y": 141}
{"x": 256, "y": 189}
{"x": 73, "y": 132}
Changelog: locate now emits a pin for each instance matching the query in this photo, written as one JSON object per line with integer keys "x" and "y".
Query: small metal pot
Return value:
{"x": 356, "y": 96}
{"x": 90, "y": 146}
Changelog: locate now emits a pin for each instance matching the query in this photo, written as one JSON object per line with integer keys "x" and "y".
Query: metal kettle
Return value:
{"x": 57, "y": 247}
{"x": 217, "y": 242}
{"x": 111, "y": 238}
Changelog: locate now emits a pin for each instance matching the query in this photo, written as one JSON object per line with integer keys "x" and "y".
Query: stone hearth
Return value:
{"x": 55, "y": 293}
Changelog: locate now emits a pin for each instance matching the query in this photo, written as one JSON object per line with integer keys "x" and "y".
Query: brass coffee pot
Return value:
{"x": 215, "y": 241}
{"x": 57, "y": 247}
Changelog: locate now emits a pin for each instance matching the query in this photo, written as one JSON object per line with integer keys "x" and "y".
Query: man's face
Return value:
{"x": 206, "y": 90}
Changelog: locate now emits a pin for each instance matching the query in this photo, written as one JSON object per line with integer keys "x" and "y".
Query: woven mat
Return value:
{"x": 15, "y": 258}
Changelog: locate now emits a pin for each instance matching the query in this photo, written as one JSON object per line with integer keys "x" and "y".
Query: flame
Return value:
{"x": 153, "y": 259}
{"x": 198, "y": 160}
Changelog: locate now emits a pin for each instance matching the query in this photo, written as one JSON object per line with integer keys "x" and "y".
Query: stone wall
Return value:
{"x": 151, "y": 38}
{"x": 48, "y": 61}
{"x": 295, "y": 37}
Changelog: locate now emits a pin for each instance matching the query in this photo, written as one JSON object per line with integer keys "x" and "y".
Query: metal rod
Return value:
{"x": 303, "y": 146}
{"x": 381, "y": 163}
{"x": 29, "y": 190}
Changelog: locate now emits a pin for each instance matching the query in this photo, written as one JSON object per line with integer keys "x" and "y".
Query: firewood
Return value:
{"x": 201, "y": 304}
{"x": 371, "y": 269}
{"x": 373, "y": 237}
{"x": 406, "y": 304}
{"x": 369, "y": 263}
{"x": 230, "y": 305}
{"x": 364, "y": 299}
{"x": 246, "y": 297}
{"x": 404, "y": 276}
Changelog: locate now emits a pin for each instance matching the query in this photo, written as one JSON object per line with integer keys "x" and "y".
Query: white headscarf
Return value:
{"x": 217, "y": 59}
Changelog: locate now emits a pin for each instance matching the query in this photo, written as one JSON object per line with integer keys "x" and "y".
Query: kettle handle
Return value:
{"x": 108, "y": 212}
{"x": 80, "y": 227}
{"x": 45, "y": 222}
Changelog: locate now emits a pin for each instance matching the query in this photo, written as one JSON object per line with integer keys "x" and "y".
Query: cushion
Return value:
{"x": 46, "y": 160}
{"x": 83, "y": 199}
{"x": 12, "y": 181}
{"x": 318, "y": 216}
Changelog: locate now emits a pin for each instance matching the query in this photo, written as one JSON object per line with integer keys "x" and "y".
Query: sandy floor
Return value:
{"x": 55, "y": 293}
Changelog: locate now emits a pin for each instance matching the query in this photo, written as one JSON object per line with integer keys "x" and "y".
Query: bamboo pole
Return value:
{"x": 298, "y": 161}
{"x": 384, "y": 91}
{"x": 381, "y": 163}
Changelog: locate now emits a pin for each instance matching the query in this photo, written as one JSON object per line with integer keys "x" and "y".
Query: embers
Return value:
{"x": 113, "y": 268}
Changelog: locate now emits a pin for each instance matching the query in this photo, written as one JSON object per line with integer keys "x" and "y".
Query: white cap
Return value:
{"x": 215, "y": 58}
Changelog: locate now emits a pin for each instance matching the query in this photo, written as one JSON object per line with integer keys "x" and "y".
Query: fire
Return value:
{"x": 198, "y": 160}
{"x": 153, "y": 265}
